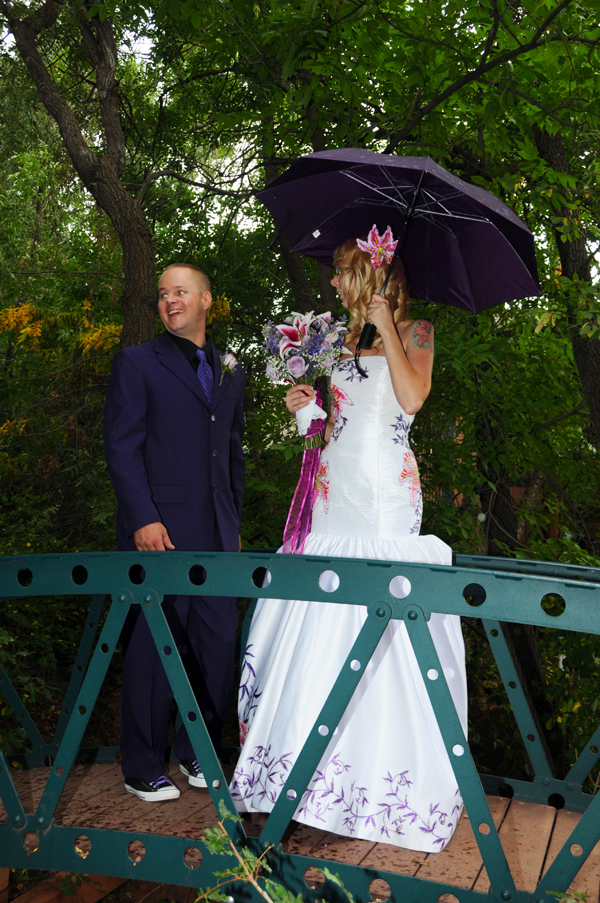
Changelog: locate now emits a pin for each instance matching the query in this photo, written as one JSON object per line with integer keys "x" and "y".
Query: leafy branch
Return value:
{"x": 248, "y": 867}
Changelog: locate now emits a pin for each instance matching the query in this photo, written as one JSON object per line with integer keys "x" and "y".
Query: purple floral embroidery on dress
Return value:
{"x": 349, "y": 367}
{"x": 264, "y": 780}
{"x": 321, "y": 490}
{"x": 418, "y": 517}
{"x": 328, "y": 789}
{"x": 401, "y": 427}
{"x": 248, "y": 693}
{"x": 339, "y": 398}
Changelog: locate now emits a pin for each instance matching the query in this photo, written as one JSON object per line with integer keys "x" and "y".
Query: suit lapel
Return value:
{"x": 171, "y": 357}
{"x": 219, "y": 390}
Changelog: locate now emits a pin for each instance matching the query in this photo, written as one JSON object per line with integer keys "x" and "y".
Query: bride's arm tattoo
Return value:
{"x": 422, "y": 335}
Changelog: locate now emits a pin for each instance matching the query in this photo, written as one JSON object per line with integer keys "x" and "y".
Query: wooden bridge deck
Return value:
{"x": 531, "y": 834}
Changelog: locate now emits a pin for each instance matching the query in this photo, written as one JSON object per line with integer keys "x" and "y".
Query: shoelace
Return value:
{"x": 159, "y": 782}
{"x": 196, "y": 765}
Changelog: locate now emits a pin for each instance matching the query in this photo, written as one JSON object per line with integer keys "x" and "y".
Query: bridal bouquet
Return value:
{"x": 299, "y": 350}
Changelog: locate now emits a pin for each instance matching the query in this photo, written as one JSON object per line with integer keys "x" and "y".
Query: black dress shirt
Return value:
{"x": 189, "y": 350}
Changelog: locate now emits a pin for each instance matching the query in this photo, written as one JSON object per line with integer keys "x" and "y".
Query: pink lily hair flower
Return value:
{"x": 381, "y": 248}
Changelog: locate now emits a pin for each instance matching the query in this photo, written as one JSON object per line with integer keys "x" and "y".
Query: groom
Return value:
{"x": 173, "y": 426}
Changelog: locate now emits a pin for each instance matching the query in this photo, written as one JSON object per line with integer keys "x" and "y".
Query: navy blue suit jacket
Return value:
{"x": 171, "y": 456}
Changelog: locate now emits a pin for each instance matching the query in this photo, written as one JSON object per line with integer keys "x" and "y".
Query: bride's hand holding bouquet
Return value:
{"x": 299, "y": 350}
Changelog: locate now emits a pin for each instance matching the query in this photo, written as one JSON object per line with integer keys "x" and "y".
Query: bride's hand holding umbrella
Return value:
{"x": 380, "y": 315}
{"x": 410, "y": 360}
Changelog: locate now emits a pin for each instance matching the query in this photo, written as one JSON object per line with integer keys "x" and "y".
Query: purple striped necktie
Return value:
{"x": 205, "y": 374}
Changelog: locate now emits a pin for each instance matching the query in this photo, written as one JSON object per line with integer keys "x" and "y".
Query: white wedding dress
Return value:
{"x": 385, "y": 775}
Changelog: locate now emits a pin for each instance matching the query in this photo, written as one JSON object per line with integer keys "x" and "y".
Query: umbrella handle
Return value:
{"x": 367, "y": 337}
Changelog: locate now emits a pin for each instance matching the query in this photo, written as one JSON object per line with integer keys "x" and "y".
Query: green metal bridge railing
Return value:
{"x": 492, "y": 589}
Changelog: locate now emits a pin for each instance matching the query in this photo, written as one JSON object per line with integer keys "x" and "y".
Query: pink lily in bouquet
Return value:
{"x": 295, "y": 333}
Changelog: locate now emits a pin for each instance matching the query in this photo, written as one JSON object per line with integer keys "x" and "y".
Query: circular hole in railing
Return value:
{"x": 191, "y": 716}
{"x": 399, "y": 587}
{"x": 556, "y": 800}
{"x": 531, "y": 737}
{"x": 167, "y": 650}
{"x": 355, "y": 664}
{"x": 261, "y": 577}
{"x": 192, "y": 858}
{"x": 82, "y": 710}
{"x": 79, "y": 574}
{"x": 432, "y": 674}
{"x": 484, "y": 828}
{"x": 31, "y": 842}
{"x": 291, "y": 794}
{"x": 136, "y": 574}
{"x": 447, "y": 898}
{"x": 25, "y": 577}
{"x": 553, "y": 604}
{"x": 83, "y": 846}
{"x": 494, "y": 632}
{"x": 104, "y": 647}
{"x": 314, "y": 877}
{"x": 594, "y": 750}
{"x": 323, "y": 730}
{"x": 216, "y": 785}
{"x": 474, "y": 594}
{"x": 197, "y": 574}
{"x": 59, "y": 771}
{"x": 458, "y": 750}
{"x": 506, "y": 790}
{"x": 380, "y": 890}
{"x": 512, "y": 684}
{"x": 136, "y": 851}
{"x": 329, "y": 581}
{"x": 576, "y": 849}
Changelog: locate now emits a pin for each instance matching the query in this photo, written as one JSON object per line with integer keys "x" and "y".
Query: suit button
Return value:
{"x": 214, "y": 454}
{"x": 212, "y": 417}
{"x": 214, "y": 488}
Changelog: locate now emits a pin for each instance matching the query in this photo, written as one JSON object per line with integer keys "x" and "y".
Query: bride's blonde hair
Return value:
{"x": 360, "y": 280}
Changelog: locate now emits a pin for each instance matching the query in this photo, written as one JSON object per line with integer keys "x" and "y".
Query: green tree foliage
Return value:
{"x": 224, "y": 95}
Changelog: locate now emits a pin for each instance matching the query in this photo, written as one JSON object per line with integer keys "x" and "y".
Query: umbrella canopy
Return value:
{"x": 462, "y": 247}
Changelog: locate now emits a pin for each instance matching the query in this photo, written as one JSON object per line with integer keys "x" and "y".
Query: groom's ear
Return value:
{"x": 206, "y": 300}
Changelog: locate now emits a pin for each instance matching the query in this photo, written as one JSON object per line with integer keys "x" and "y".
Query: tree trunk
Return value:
{"x": 575, "y": 261}
{"x": 327, "y": 293}
{"x": 305, "y": 298}
{"x": 99, "y": 174}
{"x": 502, "y": 526}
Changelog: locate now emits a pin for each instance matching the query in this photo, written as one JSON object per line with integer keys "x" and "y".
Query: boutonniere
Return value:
{"x": 228, "y": 365}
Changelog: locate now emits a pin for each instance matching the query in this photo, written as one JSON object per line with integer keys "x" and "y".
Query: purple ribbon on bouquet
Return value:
{"x": 299, "y": 519}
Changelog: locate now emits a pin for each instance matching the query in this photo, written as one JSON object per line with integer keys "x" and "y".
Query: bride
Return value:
{"x": 385, "y": 775}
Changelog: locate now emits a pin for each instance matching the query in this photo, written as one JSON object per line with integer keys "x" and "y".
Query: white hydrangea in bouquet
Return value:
{"x": 301, "y": 349}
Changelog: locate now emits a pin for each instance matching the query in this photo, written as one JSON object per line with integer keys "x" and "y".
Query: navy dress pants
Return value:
{"x": 203, "y": 628}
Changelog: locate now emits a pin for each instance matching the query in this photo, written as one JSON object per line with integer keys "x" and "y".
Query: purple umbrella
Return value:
{"x": 462, "y": 247}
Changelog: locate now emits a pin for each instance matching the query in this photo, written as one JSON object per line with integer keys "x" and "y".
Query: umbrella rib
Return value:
{"x": 399, "y": 203}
